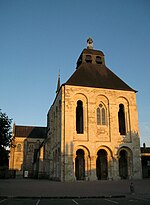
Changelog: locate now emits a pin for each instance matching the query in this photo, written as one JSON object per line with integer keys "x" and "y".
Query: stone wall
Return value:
{"x": 96, "y": 137}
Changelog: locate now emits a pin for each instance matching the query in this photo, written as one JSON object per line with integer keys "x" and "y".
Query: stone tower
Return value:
{"x": 93, "y": 124}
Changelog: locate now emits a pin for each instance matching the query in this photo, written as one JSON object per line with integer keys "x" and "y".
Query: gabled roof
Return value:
{"x": 98, "y": 76}
{"x": 30, "y": 131}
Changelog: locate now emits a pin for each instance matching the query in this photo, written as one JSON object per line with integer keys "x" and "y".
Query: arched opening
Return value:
{"x": 101, "y": 165}
{"x": 123, "y": 164}
{"x": 79, "y": 117}
{"x": 80, "y": 165}
{"x": 121, "y": 119}
{"x": 88, "y": 58}
{"x": 101, "y": 115}
{"x": 98, "y": 60}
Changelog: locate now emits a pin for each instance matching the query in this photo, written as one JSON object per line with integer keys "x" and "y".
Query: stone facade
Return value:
{"x": 103, "y": 144}
{"x": 64, "y": 140}
{"x": 26, "y": 141}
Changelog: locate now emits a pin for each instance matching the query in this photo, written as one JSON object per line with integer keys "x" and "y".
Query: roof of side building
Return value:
{"x": 145, "y": 150}
{"x": 30, "y": 131}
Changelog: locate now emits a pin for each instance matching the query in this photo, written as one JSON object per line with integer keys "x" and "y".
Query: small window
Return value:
{"x": 101, "y": 115}
{"x": 121, "y": 119}
{"x": 19, "y": 148}
{"x": 98, "y": 60}
{"x": 88, "y": 59}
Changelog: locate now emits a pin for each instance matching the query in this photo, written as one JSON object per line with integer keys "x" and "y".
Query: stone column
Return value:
{"x": 115, "y": 174}
{"x": 87, "y": 167}
{"x": 69, "y": 168}
{"x": 110, "y": 168}
{"x": 93, "y": 176}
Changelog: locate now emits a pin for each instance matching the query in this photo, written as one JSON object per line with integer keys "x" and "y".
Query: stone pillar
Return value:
{"x": 110, "y": 168}
{"x": 69, "y": 168}
{"x": 87, "y": 168}
{"x": 93, "y": 169}
{"x": 115, "y": 174}
{"x": 50, "y": 168}
{"x": 137, "y": 169}
{"x": 62, "y": 167}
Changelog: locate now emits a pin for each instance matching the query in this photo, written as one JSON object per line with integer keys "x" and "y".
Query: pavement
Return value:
{"x": 31, "y": 188}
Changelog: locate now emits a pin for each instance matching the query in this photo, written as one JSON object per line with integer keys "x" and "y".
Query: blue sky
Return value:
{"x": 40, "y": 37}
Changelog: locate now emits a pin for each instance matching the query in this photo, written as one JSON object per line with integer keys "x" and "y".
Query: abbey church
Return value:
{"x": 92, "y": 129}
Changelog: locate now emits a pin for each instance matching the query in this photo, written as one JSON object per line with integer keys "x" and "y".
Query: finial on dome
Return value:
{"x": 90, "y": 43}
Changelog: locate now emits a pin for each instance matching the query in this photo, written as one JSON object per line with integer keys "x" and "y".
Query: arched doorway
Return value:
{"x": 80, "y": 165}
{"x": 123, "y": 164}
{"x": 101, "y": 165}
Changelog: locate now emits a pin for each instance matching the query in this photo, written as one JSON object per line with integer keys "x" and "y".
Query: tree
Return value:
{"x": 5, "y": 137}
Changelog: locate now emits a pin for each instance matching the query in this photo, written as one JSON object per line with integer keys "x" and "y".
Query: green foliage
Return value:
{"x": 5, "y": 137}
{"x": 5, "y": 130}
{"x": 4, "y": 155}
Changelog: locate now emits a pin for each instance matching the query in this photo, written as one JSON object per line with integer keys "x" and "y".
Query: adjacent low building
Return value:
{"x": 25, "y": 145}
{"x": 145, "y": 159}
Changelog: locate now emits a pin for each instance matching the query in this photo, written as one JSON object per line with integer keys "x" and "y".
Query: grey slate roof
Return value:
{"x": 96, "y": 75}
{"x": 30, "y": 131}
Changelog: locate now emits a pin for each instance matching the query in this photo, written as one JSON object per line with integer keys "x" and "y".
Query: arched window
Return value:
{"x": 101, "y": 115}
{"x": 88, "y": 59}
{"x": 79, "y": 117}
{"x": 121, "y": 119}
{"x": 18, "y": 147}
{"x": 98, "y": 60}
{"x": 98, "y": 116}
